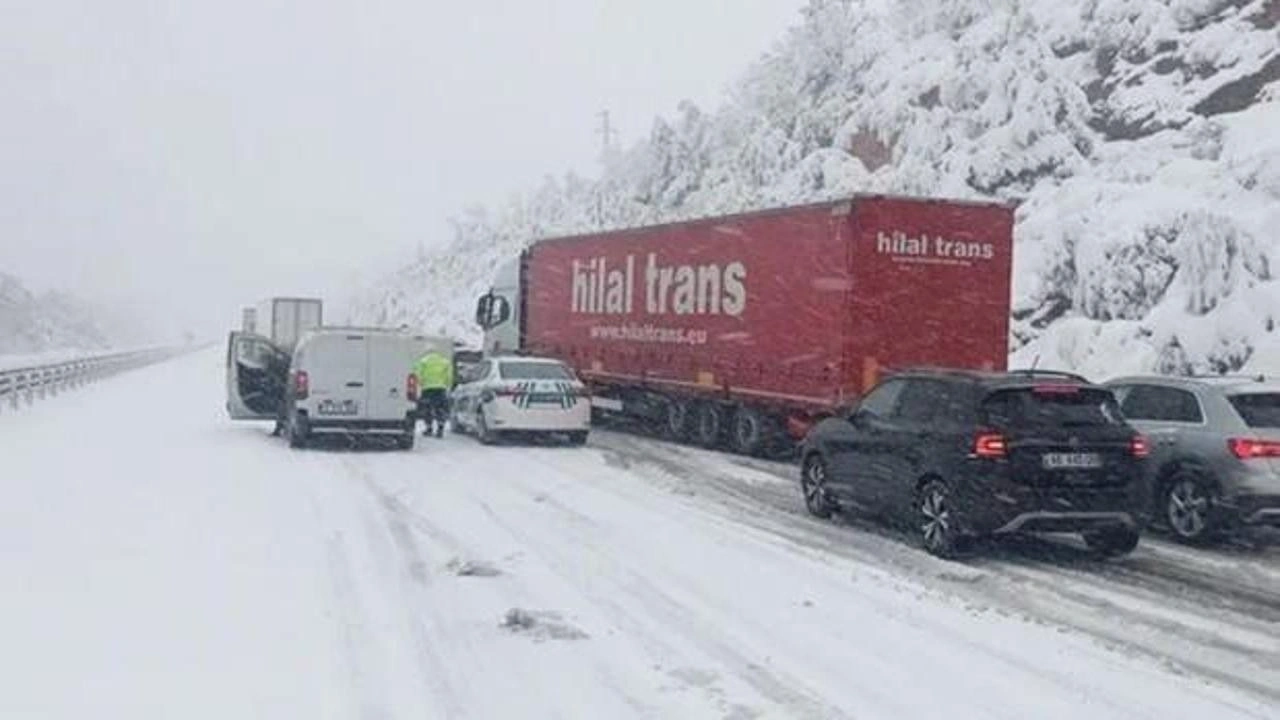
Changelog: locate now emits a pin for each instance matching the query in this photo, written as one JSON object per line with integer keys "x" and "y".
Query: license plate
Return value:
{"x": 546, "y": 399}
{"x": 338, "y": 407}
{"x": 1072, "y": 461}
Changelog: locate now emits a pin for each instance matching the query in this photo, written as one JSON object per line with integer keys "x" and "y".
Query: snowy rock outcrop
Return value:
{"x": 1141, "y": 137}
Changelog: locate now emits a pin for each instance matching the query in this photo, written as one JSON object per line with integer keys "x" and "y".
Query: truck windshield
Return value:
{"x": 1069, "y": 407}
{"x": 1259, "y": 410}
{"x": 533, "y": 371}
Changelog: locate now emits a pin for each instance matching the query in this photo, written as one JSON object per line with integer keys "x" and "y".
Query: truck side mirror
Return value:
{"x": 492, "y": 310}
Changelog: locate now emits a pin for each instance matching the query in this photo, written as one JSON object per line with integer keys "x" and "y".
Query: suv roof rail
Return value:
{"x": 1250, "y": 377}
{"x": 1037, "y": 372}
{"x": 934, "y": 369}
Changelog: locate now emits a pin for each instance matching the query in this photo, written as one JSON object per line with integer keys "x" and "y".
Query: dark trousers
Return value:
{"x": 433, "y": 407}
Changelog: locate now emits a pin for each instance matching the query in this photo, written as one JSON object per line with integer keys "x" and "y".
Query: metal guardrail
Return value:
{"x": 29, "y": 384}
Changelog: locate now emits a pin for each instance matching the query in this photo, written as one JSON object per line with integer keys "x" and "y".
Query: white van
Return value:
{"x": 338, "y": 380}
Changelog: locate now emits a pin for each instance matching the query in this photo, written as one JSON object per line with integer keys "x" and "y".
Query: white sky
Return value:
{"x": 181, "y": 159}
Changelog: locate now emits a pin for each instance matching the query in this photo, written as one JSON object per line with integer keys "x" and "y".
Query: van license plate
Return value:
{"x": 335, "y": 407}
{"x": 1072, "y": 461}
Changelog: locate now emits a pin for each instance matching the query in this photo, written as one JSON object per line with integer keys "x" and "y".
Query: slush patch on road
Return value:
{"x": 540, "y": 625}
{"x": 471, "y": 568}
{"x": 961, "y": 577}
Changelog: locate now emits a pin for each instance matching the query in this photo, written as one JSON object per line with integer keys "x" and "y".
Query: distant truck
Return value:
{"x": 283, "y": 320}
{"x": 745, "y": 330}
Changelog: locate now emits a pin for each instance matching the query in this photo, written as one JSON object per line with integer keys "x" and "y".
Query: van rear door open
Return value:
{"x": 257, "y": 371}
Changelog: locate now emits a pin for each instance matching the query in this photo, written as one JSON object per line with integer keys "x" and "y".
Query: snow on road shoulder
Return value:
{"x": 157, "y": 561}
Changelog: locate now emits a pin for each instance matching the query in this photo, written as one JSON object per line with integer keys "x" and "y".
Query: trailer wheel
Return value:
{"x": 709, "y": 425}
{"x": 677, "y": 420}
{"x": 749, "y": 432}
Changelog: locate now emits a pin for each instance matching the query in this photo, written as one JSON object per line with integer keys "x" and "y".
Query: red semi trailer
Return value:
{"x": 747, "y": 328}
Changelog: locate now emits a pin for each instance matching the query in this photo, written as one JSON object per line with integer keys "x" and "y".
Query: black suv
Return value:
{"x": 964, "y": 454}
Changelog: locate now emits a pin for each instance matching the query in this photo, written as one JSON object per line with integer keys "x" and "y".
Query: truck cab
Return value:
{"x": 500, "y": 311}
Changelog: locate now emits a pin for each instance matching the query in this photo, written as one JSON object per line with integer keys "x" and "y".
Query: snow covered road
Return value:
{"x": 160, "y": 561}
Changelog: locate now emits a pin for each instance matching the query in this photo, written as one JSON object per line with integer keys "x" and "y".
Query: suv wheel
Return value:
{"x": 813, "y": 482}
{"x": 1188, "y": 507}
{"x": 938, "y": 530}
{"x": 1112, "y": 542}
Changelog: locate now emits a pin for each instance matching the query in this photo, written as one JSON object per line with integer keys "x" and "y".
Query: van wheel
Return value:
{"x": 677, "y": 420}
{"x": 1112, "y": 542}
{"x": 578, "y": 437}
{"x": 405, "y": 441}
{"x": 748, "y": 433}
{"x": 709, "y": 426}
{"x": 299, "y": 433}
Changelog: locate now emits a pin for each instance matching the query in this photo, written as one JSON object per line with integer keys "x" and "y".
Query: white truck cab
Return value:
{"x": 346, "y": 380}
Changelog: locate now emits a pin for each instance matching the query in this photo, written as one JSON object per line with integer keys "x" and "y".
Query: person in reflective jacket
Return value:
{"x": 435, "y": 380}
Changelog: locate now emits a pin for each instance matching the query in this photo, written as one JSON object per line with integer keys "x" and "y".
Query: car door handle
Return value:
{"x": 354, "y": 384}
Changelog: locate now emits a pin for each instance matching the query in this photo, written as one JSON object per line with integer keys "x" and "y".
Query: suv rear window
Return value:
{"x": 1060, "y": 407}
{"x": 533, "y": 371}
{"x": 1259, "y": 410}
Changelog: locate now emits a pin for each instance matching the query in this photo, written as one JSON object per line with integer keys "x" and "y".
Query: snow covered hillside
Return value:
{"x": 1142, "y": 138}
{"x": 31, "y": 324}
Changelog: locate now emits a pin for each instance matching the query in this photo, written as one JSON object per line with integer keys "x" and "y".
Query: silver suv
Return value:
{"x": 1215, "y": 449}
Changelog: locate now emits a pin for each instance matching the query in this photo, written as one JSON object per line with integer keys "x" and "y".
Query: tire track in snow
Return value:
{"x": 1179, "y": 645}
{"x": 679, "y": 607}
{"x": 603, "y": 673}
{"x": 432, "y": 670}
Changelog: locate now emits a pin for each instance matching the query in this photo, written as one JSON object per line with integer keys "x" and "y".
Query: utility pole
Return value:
{"x": 606, "y": 133}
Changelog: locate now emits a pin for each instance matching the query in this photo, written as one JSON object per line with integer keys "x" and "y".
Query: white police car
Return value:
{"x": 521, "y": 395}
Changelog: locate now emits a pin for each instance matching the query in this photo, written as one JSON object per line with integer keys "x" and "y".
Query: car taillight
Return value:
{"x": 1251, "y": 449}
{"x": 989, "y": 445}
{"x": 1139, "y": 447}
{"x": 301, "y": 385}
{"x": 411, "y": 387}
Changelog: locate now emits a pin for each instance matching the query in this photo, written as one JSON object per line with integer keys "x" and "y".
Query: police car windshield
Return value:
{"x": 533, "y": 371}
